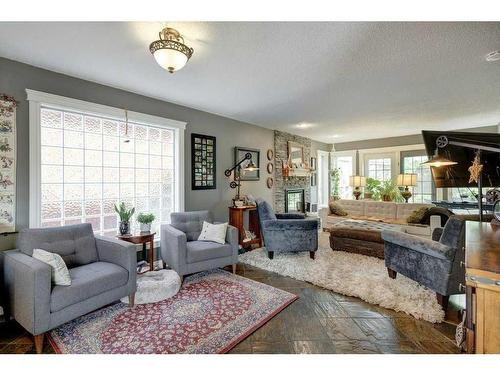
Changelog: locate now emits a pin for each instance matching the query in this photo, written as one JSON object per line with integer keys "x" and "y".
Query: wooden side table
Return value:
{"x": 236, "y": 219}
{"x": 482, "y": 279}
{"x": 142, "y": 238}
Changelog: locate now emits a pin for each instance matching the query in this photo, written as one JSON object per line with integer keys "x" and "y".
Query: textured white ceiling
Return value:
{"x": 342, "y": 81}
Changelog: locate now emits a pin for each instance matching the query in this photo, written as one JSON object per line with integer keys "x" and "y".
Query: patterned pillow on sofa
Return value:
{"x": 336, "y": 209}
{"x": 417, "y": 215}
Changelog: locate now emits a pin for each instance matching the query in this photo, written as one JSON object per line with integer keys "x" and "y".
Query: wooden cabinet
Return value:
{"x": 237, "y": 219}
{"x": 482, "y": 262}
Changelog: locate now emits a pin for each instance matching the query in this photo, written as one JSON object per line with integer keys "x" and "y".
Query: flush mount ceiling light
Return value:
{"x": 169, "y": 51}
{"x": 492, "y": 56}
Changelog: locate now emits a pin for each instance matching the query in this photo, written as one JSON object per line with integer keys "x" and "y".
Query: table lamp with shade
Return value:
{"x": 406, "y": 180}
{"x": 357, "y": 182}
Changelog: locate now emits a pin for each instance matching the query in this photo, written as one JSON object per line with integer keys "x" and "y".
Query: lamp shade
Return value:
{"x": 407, "y": 179}
{"x": 439, "y": 161}
{"x": 251, "y": 167}
{"x": 357, "y": 181}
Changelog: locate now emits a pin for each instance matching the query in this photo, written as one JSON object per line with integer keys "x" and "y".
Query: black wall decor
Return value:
{"x": 239, "y": 153}
{"x": 203, "y": 157}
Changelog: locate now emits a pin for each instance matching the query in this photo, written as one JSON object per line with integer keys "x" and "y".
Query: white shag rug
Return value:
{"x": 155, "y": 286}
{"x": 352, "y": 275}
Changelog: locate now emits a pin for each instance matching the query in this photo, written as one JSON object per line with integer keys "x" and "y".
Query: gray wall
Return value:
{"x": 16, "y": 77}
{"x": 401, "y": 141}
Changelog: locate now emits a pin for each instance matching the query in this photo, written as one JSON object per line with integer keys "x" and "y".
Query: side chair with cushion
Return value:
{"x": 102, "y": 271}
{"x": 288, "y": 232}
{"x": 436, "y": 263}
{"x": 182, "y": 251}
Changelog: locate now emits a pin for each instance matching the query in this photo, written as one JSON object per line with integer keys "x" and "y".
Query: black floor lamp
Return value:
{"x": 476, "y": 168}
{"x": 237, "y": 177}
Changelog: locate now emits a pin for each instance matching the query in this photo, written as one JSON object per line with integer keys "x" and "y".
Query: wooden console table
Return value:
{"x": 482, "y": 279}
{"x": 236, "y": 219}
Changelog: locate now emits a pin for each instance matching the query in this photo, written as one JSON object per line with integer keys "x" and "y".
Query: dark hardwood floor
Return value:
{"x": 320, "y": 321}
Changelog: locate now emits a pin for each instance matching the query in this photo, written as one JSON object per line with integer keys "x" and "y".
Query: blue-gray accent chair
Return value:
{"x": 289, "y": 232}
{"x": 436, "y": 263}
{"x": 182, "y": 251}
{"x": 102, "y": 271}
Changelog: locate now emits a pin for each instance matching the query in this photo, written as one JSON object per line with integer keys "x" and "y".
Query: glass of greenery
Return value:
{"x": 125, "y": 215}
{"x": 145, "y": 219}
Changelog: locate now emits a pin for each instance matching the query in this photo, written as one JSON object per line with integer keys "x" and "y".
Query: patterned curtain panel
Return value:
{"x": 7, "y": 164}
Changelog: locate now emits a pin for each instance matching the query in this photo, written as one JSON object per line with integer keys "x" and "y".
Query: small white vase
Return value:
{"x": 145, "y": 227}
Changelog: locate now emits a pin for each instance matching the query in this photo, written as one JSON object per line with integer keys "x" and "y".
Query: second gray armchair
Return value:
{"x": 288, "y": 232}
{"x": 182, "y": 251}
{"x": 436, "y": 264}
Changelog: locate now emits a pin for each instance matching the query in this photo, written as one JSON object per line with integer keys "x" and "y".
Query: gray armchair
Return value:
{"x": 288, "y": 232}
{"x": 102, "y": 271}
{"x": 436, "y": 263}
{"x": 182, "y": 251}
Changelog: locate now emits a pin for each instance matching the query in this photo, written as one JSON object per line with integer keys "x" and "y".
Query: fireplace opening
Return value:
{"x": 294, "y": 201}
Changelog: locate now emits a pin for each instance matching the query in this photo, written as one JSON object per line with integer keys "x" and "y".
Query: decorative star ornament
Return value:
{"x": 475, "y": 170}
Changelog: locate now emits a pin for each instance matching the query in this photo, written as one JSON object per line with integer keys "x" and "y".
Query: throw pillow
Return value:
{"x": 417, "y": 215}
{"x": 60, "y": 273}
{"x": 337, "y": 209}
{"x": 213, "y": 232}
{"x": 444, "y": 213}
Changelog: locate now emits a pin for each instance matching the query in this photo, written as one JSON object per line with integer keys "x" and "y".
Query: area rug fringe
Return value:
{"x": 352, "y": 275}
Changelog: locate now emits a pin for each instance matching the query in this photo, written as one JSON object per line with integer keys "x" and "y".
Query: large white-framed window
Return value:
{"x": 345, "y": 163}
{"x": 85, "y": 157}
{"x": 379, "y": 166}
{"x": 411, "y": 162}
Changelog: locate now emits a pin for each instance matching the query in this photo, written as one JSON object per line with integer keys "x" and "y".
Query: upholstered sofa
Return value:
{"x": 102, "y": 271}
{"x": 387, "y": 212}
{"x": 181, "y": 250}
{"x": 288, "y": 232}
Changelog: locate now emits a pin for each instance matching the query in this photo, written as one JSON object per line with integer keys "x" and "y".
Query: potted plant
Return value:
{"x": 335, "y": 184}
{"x": 389, "y": 191}
{"x": 145, "y": 219}
{"x": 125, "y": 216}
{"x": 372, "y": 189}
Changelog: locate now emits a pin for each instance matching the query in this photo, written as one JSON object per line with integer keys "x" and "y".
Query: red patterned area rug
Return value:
{"x": 212, "y": 313}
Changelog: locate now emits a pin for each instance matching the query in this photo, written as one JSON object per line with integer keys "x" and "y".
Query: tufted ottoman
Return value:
{"x": 155, "y": 286}
{"x": 360, "y": 237}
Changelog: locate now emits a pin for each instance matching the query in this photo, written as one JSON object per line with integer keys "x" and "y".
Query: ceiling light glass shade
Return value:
{"x": 170, "y": 59}
{"x": 357, "y": 181}
{"x": 169, "y": 51}
{"x": 407, "y": 179}
{"x": 439, "y": 161}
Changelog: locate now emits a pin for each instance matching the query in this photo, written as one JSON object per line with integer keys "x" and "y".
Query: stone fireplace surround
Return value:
{"x": 280, "y": 184}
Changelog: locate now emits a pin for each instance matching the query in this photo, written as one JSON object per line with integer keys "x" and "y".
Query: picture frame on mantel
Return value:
{"x": 203, "y": 162}
{"x": 239, "y": 153}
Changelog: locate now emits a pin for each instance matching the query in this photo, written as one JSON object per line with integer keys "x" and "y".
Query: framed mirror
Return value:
{"x": 295, "y": 154}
